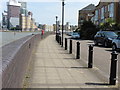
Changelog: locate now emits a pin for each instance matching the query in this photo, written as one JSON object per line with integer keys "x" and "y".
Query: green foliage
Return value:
{"x": 109, "y": 24}
{"x": 13, "y": 28}
{"x": 16, "y": 28}
{"x": 88, "y": 30}
{"x": 118, "y": 26}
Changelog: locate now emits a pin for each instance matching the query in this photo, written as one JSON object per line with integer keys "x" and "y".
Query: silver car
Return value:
{"x": 116, "y": 43}
{"x": 75, "y": 35}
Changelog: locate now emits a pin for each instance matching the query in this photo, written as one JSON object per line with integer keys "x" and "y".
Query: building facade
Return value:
{"x": 105, "y": 10}
{"x": 18, "y": 17}
{"x": 85, "y": 14}
{"x": 67, "y": 26}
{"x": 4, "y": 20}
{"x": 23, "y": 16}
{"x": 13, "y": 9}
{"x": 27, "y": 23}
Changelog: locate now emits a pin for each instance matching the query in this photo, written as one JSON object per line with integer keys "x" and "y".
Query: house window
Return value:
{"x": 96, "y": 15}
{"x": 109, "y": 7}
{"x": 111, "y": 10}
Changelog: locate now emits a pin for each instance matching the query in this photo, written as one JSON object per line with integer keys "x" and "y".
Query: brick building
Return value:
{"x": 86, "y": 14}
{"x": 106, "y": 10}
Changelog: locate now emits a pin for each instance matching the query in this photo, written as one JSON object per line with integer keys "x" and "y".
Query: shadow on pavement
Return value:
{"x": 109, "y": 50}
{"x": 63, "y": 67}
{"x": 80, "y": 67}
{"x": 91, "y": 42}
{"x": 63, "y": 53}
{"x": 70, "y": 58}
{"x": 101, "y": 84}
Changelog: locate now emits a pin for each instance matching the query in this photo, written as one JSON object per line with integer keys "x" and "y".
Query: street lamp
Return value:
{"x": 62, "y": 19}
{"x": 56, "y": 26}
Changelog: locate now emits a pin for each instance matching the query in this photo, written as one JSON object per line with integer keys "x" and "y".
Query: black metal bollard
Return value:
{"x": 90, "y": 57}
{"x": 70, "y": 47}
{"x": 65, "y": 43}
{"x": 58, "y": 37}
{"x": 60, "y": 40}
{"x": 78, "y": 51}
{"x": 113, "y": 69}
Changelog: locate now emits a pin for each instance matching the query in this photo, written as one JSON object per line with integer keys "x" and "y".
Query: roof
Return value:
{"x": 89, "y": 7}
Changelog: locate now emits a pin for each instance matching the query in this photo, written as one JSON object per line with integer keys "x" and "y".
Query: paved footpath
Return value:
{"x": 56, "y": 68}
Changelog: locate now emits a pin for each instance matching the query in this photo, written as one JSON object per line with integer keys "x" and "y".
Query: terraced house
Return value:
{"x": 106, "y": 10}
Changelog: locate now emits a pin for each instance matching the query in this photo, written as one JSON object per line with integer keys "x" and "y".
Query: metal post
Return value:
{"x": 90, "y": 57}
{"x": 70, "y": 47}
{"x": 62, "y": 19}
{"x": 78, "y": 51}
{"x": 56, "y": 27}
{"x": 65, "y": 43}
{"x": 113, "y": 69}
{"x": 58, "y": 37}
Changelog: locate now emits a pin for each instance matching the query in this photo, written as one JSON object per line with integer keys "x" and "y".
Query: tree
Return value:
{"x": 109, "y": 24}
{"x": 88, "y": 30}
{"x": 118, "y": 26}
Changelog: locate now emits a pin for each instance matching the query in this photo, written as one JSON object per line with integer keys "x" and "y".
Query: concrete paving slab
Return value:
{"x": 55, "y": 68}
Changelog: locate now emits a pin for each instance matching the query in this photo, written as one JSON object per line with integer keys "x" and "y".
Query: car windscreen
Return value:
{"x": 110, "y": 34}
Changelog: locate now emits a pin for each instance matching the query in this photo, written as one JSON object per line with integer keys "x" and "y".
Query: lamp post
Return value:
{"x": 56, "y": 26}
{"x": 62, "y": 19}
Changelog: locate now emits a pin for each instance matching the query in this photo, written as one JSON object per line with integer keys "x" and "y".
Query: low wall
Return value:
{"x": 15, "y": 58}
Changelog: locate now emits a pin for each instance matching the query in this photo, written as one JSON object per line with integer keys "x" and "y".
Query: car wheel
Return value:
{"x": 114, "y": 47}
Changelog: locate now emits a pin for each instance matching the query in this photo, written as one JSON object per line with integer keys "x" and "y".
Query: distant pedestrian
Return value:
{"x": 42, "y": 33}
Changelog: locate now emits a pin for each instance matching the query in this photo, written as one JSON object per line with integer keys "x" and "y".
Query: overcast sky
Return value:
{"x": 44, "y": 11}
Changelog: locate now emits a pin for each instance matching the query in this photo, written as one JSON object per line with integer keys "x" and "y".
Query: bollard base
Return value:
{"x": 90, "y": 65}
{"x": 112, "y": 81}
{"x": 78, "y": 57}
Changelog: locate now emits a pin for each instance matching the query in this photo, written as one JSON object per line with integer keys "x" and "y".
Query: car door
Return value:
{"x": 98, "y": 37}
{"x": 102, "y": 38}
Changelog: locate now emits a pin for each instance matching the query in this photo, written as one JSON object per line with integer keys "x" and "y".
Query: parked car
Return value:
{"x": 116, "y": 43}
{"x": 70, "y": 33}
{"x": 75, "y": 35}
{"x": 105, "y": 38}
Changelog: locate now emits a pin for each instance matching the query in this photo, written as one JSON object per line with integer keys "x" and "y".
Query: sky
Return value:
{"x": 45, "y": 11}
